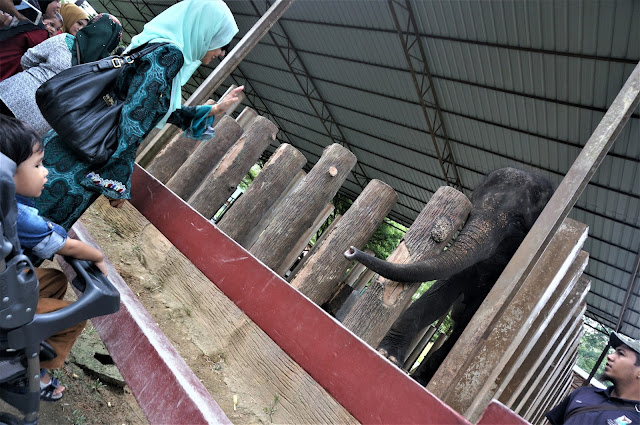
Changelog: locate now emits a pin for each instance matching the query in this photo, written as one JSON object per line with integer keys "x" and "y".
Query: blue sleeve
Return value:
{"x": 195, "y": 122}
{"x": 43, "y": 237}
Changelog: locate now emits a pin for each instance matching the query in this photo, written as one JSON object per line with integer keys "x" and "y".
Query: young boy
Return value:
{"x": 22, "y": 145}
{"x": 53, "y": 24}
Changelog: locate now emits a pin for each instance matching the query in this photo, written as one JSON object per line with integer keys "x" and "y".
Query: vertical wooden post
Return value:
{"x": 246, "y": 117}
{"x": 204, "y": 159}
{"x": 559, "y": 297}
{"x": 304, "y": 239}
{"x": 323, "y": 236}
{"x": 178, "y": 149}
{"x": 548, "y": 364}
{"x": 325, "y": 267}
{"x": 262, "y": 194}
{"x": 222, "y": 71}
{"x": 474, "y": 383}
{"x": 551, "y": 336}
{"x": 297, "y": 215}
{"x": 262, "y": 224}
{"x": 382, "y": 303}
{"x": 220, "y": 183}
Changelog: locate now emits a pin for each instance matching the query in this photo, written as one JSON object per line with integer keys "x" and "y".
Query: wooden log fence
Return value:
{"x": 274, "y": 180}
{"x": 284, "y": 207}
{"x": 298, "y": 214}
{"x": 220, "y": 183}
{"x": 325, "y": 267}
{"x": 204, "y": 158}
{"x": 381, "y": 304}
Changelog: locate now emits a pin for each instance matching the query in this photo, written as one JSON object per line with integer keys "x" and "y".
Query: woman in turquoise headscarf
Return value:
{"x": 196, "y": 31}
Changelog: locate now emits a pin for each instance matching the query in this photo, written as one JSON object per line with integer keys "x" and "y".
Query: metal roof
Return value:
{"x": 501, "y": 83}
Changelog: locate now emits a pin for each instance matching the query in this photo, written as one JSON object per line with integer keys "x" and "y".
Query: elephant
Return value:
{"x": 504, "y": 208}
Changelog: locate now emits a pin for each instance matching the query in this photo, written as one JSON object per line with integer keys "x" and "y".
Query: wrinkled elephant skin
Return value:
{"x": 504, "y": 207}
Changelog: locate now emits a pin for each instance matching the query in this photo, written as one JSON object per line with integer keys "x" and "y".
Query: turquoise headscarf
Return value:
{"x": 195, "y": 26}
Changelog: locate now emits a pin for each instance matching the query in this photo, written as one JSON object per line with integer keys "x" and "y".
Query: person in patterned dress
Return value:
{"x": 195, "y": 31}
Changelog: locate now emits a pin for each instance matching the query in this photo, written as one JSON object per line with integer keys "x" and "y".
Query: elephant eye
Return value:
{"x": 519, "y": 221}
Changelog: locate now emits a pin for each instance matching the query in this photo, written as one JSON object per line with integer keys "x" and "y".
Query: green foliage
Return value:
{"x": 591, "y": 345}
{"x": 271, "y": 409}
{"x": 78, "y": 417}
{"x": 97, "y": 385}
{"x": 385, "y": 239}
{"x": 250, "y": 177}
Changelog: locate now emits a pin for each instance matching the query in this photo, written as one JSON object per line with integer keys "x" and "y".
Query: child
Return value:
{"x": 44, "y": 239}
{"x": 53, "y": 24}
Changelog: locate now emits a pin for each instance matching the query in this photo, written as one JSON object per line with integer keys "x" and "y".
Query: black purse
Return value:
{"x": 80, "y": 105}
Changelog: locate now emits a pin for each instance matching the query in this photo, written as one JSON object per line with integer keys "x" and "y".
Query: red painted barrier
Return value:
{"x": 367, "y": 385}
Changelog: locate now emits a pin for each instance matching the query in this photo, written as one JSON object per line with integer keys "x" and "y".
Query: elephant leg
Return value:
{"x": 434, "y": 303}
{"x": 461, "y": 314}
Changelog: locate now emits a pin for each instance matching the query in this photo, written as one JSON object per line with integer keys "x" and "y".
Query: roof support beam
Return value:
{"x": 215, "y": 79}
{"x": 299, "y": 71}
{"x": 421, "y": 76}
{"x": 632, "y": 281}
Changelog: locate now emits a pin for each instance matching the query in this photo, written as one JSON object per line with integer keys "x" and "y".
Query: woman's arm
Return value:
{"x": 225, "y": 103}
{"x": 195, "y": 119}
{"x": 38, "y": 54}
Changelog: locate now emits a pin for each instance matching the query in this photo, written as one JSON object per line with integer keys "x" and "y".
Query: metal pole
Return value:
{"x": 222, "y": 71}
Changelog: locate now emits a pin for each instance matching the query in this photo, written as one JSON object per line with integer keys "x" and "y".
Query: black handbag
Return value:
{"x": 80, "y": 105}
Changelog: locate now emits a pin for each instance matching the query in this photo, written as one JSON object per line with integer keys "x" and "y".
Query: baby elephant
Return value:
{"x": 504, "y": 207}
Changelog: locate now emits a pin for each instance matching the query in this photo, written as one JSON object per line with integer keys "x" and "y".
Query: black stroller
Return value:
{"x": 22, "y": 332}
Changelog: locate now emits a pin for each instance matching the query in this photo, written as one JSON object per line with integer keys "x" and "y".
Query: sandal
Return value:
{"x": 47, "y": 391}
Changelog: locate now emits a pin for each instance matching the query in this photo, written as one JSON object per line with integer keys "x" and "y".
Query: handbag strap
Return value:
{"x": 118, "y": 61}
{"x": 147, "y": 49}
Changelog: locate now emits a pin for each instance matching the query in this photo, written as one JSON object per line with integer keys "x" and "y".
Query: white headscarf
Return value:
{"x": 195, "y": 26}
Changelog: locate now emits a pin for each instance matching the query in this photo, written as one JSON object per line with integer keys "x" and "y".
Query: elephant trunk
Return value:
{"x": 473, "y": 244}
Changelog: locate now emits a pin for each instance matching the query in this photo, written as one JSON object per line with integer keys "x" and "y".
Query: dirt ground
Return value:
{"x": 91, "y": 400}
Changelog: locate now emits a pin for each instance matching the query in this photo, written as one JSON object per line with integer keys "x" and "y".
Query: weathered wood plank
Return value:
{"x": 295, "y": 216}
{"x": 255, "y": 367}
{"x": 187, "y": 177}
{"x": 158, "y": 377}
{"x": 220, "y": 182}
{"x": 263, "y": 193}
{"x": 325, "y": 266}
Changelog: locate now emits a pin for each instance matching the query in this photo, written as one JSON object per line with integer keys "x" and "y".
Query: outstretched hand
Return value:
{"x": 102, "y": 266}
{"x": 5, "y": 19}
{"x": 116, "y": 203}
{"x": 225, "y": 103}
{"x": 10, "y": 8}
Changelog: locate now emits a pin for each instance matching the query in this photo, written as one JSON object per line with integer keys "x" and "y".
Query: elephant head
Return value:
{"x": 504, "y": 207}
